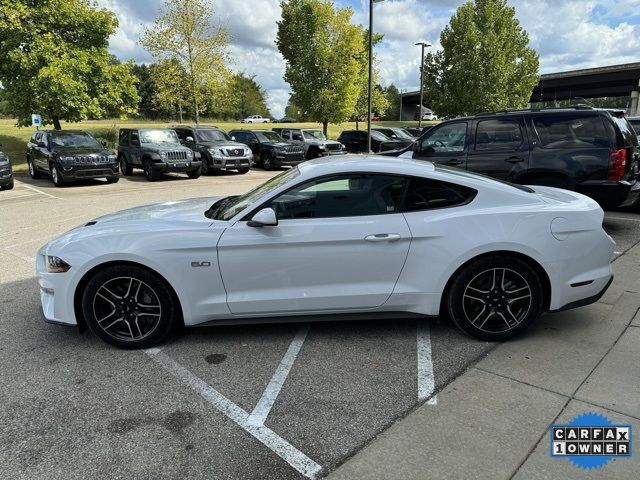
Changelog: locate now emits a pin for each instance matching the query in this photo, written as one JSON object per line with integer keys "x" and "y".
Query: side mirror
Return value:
{"x": 233, "y": 138}
{"x": 264, "y": 218}
{"x": 189, "y": 139}
{"x": 416, "y": 147}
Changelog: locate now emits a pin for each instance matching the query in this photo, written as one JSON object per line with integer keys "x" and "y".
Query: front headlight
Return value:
{"x": 56, "y": 264}
{"x": 189, "y": 153}
{"x": 322, "y": 147}
{"x": 4, "y": 161}
{"x": 112, "y": 158}
{"x": 344, "y": 147}
{"x": 163, "y": 154}
{"x": 216, "y": 152}
{"x": 67, "y": 159}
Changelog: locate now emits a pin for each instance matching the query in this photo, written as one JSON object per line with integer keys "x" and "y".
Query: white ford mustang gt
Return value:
{"x": 350, "y": 236}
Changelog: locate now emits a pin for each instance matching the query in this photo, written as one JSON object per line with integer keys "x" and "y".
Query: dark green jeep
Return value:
{"x": 155, "y": 151}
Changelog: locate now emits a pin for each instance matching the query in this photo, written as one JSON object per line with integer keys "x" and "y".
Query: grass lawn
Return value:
{"x": 14, "y": 139}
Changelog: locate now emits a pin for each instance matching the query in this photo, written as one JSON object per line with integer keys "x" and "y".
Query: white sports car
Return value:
{"x": 350, "y": 236}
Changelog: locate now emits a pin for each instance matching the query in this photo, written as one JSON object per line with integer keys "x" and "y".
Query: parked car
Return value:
{"x": 589, "y": 150}
{"x": 343, "y": 236}
{"x": 313, "y": 141}
{"x": 395, "y": 133}
{"x": 69, "y": 155}
{"x": 363, "y": 118}
{"x": 288, "y": 120}
{"x": 255, "y": 119}
{"x": 217, "y": 150}
{"x": 6, "y": 173}
{"x": 355, "y": 141}
{"x": 417, "y": 132}
{"x": 269, "y": 149}
{"x": 426, "y": 115}
{"x": 155, "y": 151}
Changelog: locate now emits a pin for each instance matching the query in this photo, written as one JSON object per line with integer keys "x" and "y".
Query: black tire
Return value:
{"x": 125, "y": 168}
{"x": 149, "y": 172}
{"x": 242, "y": 171}
{"x": 206, "y": 170}
{"x": 495, "y": 308}
{"x": 140, "y": 303}
{"x": 33, "y": 171}
{"x": 58, "y": 181}
{"x": 8, "y": 186}
{"x": 267, "y": 161}
{"x": 113, "y": 179}
{"x": 193, "y": 174}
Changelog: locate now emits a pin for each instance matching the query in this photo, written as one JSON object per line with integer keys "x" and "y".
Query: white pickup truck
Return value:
{"x": 255, "y": 119}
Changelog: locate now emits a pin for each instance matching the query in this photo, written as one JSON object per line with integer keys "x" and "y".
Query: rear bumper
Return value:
{"x": 92, "y": 171}
{"x": 585, "y": 301}
{"x": 610, "y": 193}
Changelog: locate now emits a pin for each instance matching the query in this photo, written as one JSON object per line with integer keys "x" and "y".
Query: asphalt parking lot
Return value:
{"x": 251, "y": 402}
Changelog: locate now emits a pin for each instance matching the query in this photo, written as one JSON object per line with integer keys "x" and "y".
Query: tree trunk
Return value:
{"x": 325, "y": 126}
{"x": 357, "y": 119}
{"x": 56, "y": 123}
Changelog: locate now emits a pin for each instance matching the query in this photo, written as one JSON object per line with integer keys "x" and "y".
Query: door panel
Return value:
{"x": 313, "y": 264}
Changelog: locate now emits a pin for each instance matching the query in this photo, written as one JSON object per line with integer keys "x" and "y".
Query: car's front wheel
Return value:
{"x": 267, "y": 161}
{"x": 193, "y": 174}
{"x": 35, "y": 174}
{"x": 125, "y": 169}
{"x": 129, "y": 307}
{"x": 8, "y": 186}
{"x": 58, "y": 181}
{"x": 149, "y": 172}
{"x": 495, "y": 298}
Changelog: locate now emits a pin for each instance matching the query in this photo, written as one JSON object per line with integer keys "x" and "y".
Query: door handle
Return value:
{"x": 514, "y": 160}
{"x": 383, "y": 237}
{"x": 454, "y": 161}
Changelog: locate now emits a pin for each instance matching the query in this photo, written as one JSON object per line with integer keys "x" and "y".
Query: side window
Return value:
{"x": 570, "y": 131}
{"x": 135, "y": 138}
{"x": 342, "y": 196}
{"x": 44, "y": 138}
{"x": 285, "y": 134}
{"x": 183, "y": 134}
{"x": 250, "y": 137}
{"x": 448, "y": 138}
{"x": 296, "y": 136}
{"x": 427, "y": 194}
{"x": 123, "y": 138}
{"x": 498, "y": 135}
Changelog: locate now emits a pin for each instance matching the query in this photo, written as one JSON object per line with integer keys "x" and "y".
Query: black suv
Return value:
{"x": 6, "y": 174}
{"x": 592, "y": 151}
{"x": 155, "y": 151}
{"x": 69, "y": 155}
{"x": 355, "y": 141}
{"x": 217, "y": 150}
{"x": 269, "y": 149}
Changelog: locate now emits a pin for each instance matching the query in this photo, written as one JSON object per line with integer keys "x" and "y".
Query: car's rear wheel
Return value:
{"x": 129, "y": 307}
{"x": 125, "y": 169}
{"x": 113, "y": 179}
{"x": 205, "y": 169}
{"x": 149, "y": 172}
{"x": 242, "y": 171}
{"x": 495, "y": 298}
{"x": 58, "y": 181}
{"x": 193, "y": 174}
{"x": 35, "y": 174}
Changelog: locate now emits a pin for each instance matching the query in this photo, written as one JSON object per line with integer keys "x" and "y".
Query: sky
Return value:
{"x": 567, "y": 34}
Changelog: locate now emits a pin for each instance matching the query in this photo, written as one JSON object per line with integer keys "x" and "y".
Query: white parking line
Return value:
{"x": 426, "y": 381}
{"x": 36, "y": 190}
{"x": 264, "y": 405}
{"x": 270, "y": 439}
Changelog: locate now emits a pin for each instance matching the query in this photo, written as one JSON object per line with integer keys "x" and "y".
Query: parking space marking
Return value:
{"x": 426, "y": 380}
{"x": 290, "y": 454}
{"x": 264, "y": 405}
{"x": 36, "y": 190}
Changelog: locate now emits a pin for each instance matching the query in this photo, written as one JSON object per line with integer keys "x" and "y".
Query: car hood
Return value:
{"x": 82, "y": 151}
{"x": 279, "y": 144}
{"x": 165, "y": 147}
{"x": 191, "y": 209}
{"x": 222, "y": 144}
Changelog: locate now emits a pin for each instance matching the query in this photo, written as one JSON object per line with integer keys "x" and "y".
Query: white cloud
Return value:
{"x": 568, "y": 34}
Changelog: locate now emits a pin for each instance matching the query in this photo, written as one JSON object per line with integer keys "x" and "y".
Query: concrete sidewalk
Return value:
{"x": 492, "y": 422}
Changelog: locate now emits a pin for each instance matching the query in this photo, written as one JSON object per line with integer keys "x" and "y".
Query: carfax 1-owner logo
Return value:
{"x": 590, "y": 440}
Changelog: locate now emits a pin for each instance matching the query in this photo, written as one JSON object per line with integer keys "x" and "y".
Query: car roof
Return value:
{"x": 61, "y": 131}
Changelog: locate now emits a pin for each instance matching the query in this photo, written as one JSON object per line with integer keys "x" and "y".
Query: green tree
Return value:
{"x": 183, "y": 33}
{"x": 250, "y": 98}
{"x": 294, "y": 111}
{"x": 324, "y": 54}
{"x": 145, "y": 90}
{"x": 392, "y": 94}
{"x": 485, "y": 62}
{"x": 170, "y": 89}
{"x": 55, "y": 62}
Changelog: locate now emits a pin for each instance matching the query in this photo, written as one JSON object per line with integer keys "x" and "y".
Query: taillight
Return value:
{"x": 617, "y": 162}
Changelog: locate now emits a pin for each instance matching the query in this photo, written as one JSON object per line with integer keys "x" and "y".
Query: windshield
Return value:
{"x": 268, "y": 136}
{"x": 210, "y": 135}
{"x": 379, "y": 136}
{"x": 401, "y": 133}
{"x": 81, "y": 139}
{"x": 159, "y": 136}
{"x": 231, "y": 206}
{"x": 313, "y": 135}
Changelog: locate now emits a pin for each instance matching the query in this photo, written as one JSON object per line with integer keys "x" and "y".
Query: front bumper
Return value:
{"x": 6, "y": 177}
{"x": 72, "y": 172}
{"x": 284, "y": 160}
{"x": 231, "y": 163}
{"x": 56, "y": 294}
{"x": 177, "y": 166}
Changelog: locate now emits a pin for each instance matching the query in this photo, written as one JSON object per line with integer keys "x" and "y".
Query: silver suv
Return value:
{"x": 313, "y": 141}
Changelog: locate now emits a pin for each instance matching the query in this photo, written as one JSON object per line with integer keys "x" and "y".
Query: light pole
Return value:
{"x": 423, "y": 45}
{"x": 369, "y": 99}
{"x": 402, "y": 91}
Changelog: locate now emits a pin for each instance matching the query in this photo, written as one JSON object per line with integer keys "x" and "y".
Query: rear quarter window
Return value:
{"x": 429, "y": 194}
{"x": 571, "y": 131}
